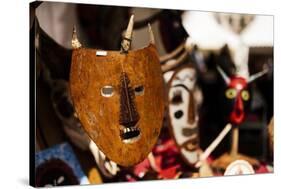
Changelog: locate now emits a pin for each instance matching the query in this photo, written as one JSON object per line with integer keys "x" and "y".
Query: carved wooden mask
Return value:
{"x": 119, "y": 98}
{"x": 183, "y": 113}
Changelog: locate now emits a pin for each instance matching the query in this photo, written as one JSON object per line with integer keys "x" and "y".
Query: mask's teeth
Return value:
{"x": 130, "y": 134}
{"x": 126, "y": 130}
{"x": 130, "y": 129}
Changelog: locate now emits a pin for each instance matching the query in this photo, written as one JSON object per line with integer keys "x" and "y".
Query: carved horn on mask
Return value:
{"x": 258, "y": 75}
{"x": 151, "y": 35}
{"x": 75, "y": 42}
{"x": 127, "y": 39}
{"x": 223, "y": 74}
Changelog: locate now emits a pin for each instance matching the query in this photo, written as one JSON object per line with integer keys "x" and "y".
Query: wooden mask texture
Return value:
{"x": 183, "y": 113}
{"x": 136, "y": 99}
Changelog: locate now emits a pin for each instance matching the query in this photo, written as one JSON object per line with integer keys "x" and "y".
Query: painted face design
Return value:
{"x": 237, "y": 96}
{"x": 183, "y": 113}
{"x": 119, "y": 98}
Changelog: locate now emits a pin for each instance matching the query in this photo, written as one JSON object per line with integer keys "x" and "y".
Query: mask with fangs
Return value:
{"x": 119, "y": 97}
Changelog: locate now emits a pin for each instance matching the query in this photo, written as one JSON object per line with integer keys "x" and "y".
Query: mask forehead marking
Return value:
{"x": 186, "y": 77}
{"x": 183, "y": 75}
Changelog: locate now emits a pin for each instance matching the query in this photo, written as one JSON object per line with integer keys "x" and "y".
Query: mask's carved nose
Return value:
{"x": 191, "y": 109}
{"x": 128, "y": 112}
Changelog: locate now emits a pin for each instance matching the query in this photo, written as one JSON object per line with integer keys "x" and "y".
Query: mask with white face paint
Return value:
{"x": 183, "y": 113}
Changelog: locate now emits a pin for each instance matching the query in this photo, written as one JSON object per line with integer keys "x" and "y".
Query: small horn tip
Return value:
{"x": 75, "y": 42}
{"x": 223, "y": 74}
{"x": 131, "y": 20}
{"x": 151, "y": 35}
{"x": 127, "y": 39}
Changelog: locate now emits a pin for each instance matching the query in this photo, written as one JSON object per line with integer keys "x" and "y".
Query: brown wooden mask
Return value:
{"x": 119, "y": 98}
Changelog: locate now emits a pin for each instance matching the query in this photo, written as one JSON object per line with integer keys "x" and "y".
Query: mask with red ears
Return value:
{"x": 237, "y": 95}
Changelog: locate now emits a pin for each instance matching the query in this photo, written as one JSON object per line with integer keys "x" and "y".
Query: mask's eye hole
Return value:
{"x": 245, "y": 95}
{"x": 139, "y": 90}
{"x": 230, "y": 93}
{"x": 107, "y": 91}
{"x": 177, "y": 98}
{"x": 178, "y": 114}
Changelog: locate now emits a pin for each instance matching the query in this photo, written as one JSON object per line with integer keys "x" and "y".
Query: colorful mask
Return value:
{"x": 183, "y": 113}
{"x": 119, "y": 98}
{"x": 237, "y": 96}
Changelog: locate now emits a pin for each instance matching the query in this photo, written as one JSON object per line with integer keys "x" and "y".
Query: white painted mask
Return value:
{"x": 183, "y": 112}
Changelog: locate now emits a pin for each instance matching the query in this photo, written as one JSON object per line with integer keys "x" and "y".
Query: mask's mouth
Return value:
{"x": 130, "y": 134}
{"x": 237, "y": 116}
{"x": 191, "y": 144}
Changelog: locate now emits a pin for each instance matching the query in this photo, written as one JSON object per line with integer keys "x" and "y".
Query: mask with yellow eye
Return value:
{"x": 237, "y": 99}
{"x": 230, "y": 93}
{"x": 237, "y": 96}
{"x": 245, "y": 95}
